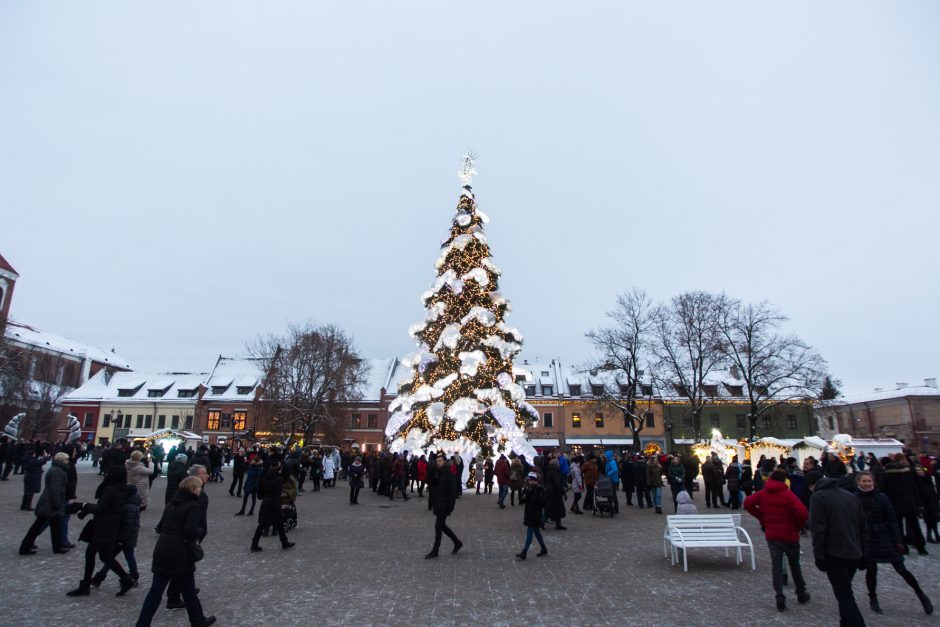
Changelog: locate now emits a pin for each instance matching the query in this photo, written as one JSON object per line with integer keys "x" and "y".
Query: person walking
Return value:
{"x": 503, "y": 477}
{"x": 478, "y": 473}
{"x": 554, "y": 494}
{"x": 711, "y": 477}
{"x": 652, "y": 483}
{"x": 675, "y": 473}
{"x": 239, "y": 468}
{"x": 175, "y": 473}
{"x": 885, "y": 544}
{"x": 488, "y": 476}
{"x": 176, "y": 553}
{"x": 533, "y": 497}
{"x": 589, "y": 474}
{"x": 51, "y": 507}
{"x": 355, "y": 472}
{"x": 127, "y": 539}
{"x": 839, "y": 530}
{"x": 270, "y": 513}
{"x": 252, "y": 482}
{"x": 329, "y": 471}
{"x": 517, "y": 475}
{"x": 612, "y": 470}
{"x": 928, "y": 498}
{"x": 138, "y": 475}
{"x": 577, "y": 483}
{"x": 733, "y": 478}
{"x": 782, "y": 516}
{"x": 103, "y": 531}
{"x": 32, "y": 464}
{"x": 899, "y": 485}
{"x": 443, "y": 493}
{"x": 421, "y": 475}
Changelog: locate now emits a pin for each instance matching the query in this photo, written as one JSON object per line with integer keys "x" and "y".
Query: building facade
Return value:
{"x": 907, "y": 413}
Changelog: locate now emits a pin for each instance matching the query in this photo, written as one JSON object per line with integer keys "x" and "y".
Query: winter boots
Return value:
{"x": 873, "y": 603}
{"x": 659, "y": 510}
{"x": 928, "y": 606}
{"x": 83, "y": 589}
{"x": 521, "y": 555}
{"x": 27, "y": 504}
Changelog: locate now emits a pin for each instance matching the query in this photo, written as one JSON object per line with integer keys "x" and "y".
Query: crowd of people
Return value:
{"x": 860, "y": 514}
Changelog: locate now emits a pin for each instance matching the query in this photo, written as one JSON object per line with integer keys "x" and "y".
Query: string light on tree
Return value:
{"x": 463, "y": 397}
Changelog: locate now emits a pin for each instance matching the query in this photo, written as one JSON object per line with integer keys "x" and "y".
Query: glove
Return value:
{"x": 821, "y": 565}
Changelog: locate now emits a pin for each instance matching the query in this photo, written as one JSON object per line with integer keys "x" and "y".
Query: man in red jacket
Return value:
{"x": 782, "y": 516}
{"x": 501, "y": 470}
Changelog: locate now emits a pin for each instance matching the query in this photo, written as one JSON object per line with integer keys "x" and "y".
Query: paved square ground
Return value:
{"x": 364, "y": 565}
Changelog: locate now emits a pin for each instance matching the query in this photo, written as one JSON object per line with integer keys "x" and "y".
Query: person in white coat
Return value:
{"x": 329, "y": 471}
{"x": 138, "y": 474}
{"x": 577, "y": 483}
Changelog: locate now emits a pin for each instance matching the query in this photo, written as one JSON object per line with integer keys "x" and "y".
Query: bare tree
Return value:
{"x": 621, "y": 348}
{"x": 308, "y": 372}
{"x": 34, "y": 382}
{"x": 687, "y": 345}
{"x": 776, "y": 368}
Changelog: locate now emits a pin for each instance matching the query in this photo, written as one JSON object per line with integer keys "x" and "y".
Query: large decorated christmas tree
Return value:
{"x": 463, "y": 398}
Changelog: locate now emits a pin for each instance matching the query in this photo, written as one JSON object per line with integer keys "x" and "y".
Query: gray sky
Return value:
{"x": 178, "y": 177}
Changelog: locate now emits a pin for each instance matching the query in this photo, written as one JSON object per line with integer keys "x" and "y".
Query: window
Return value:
{"x": 530, "y": 390}
{"x": 355, "y": 421}
{"x": 576, "y": 421}
{"x": 226, "y": 421}
{"x": 547, "y": 390}
{"x": 735, "y": 390}
{"x": 140, "y": 421}
{"x": 219, "y": 389}
{"x": 716, "y": 420}
{"x": 89, "y": 419}
{"x": 127, "y": 421}
{"x": 597, "y": 390}
{"x": 154, "y": 393}
{"x": 186, "y": 393}
{"x": 373, "y": 421}
{"x": 760, "y": 390}
{"x": 238, "y": 420}
{"x": 215, "y": 417}
{"x": 244, "y": 389}
{"x": 545, "y": 373}
{"x": 624, "y": 389}
{"x": 148, "y": 420}
{"x": 647, "y": 389}
{"x": 161, "y": 422}
{"x": 740, "y": 421}
{"x": 767, "y": 422}
{"x": 710, "y": 390}
{"x": 125, "y": 392}
{"x": 575, "y": 390}
{"x": 681, "y": 390}
{"x": 107, "y": 421}
{"x": 599, "y": 421}
{"x": 548, "y": 420}
{"x": 687, "y": 421}
{"x": 189, "y": 421}
{"x": 828, "y": 420}
{"x": 650, "y": 419}
{"x": 175, "y": 422}
{"x": 791, "y": 421}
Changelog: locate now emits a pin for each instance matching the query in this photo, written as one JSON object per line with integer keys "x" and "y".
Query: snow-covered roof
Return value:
{"x": 379, "y": 376}
{"x": 17, "y": 332}
{"x": 104, "y": 388}
{"x": 247, "y": 371}
{"x": 5, "y": 265}
{"x": 883, "y": 395}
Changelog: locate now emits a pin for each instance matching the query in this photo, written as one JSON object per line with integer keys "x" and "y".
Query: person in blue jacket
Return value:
{"x": 612, "y": 470}
{"x": 252, "y": 483}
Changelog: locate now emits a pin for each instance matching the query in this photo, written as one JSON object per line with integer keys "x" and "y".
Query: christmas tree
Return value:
{"x": 463, "y": 398}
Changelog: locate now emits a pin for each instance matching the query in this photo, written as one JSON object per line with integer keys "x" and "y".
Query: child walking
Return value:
{"x": 533, "y": 497}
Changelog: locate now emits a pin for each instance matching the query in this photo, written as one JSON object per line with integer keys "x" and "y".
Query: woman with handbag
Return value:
{"x": 176, "y": 554}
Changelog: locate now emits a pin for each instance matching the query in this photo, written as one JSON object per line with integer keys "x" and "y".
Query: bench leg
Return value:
{"x": 740, "y": 557}
{"x": 685, "y": 559}
{"x": 753, "y": 562}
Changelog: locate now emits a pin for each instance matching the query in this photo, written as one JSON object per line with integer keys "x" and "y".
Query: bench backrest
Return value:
{"x": 704, "y": 526}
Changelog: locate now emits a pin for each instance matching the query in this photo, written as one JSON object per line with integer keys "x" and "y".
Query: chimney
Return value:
{"x": 930, "y": 383}
{"x": 735, "y": 371}
{"x": 901, "y": 385}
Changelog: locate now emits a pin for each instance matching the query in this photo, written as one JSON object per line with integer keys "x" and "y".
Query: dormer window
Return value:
{"x": 530, "y": 390}
{"x": 624, "y": 389}
{"x": 545, "y": 373}
{"x": 597, "y": 390}
{"x": 154, "y": 393}
{"x": 547, "y": 390}
{"x": 710, "y": 390}
{"x": 244, "y": 389}
{"x": 647, "y": 389}
{"x": 575, "y": 390}
{"x": 735, "y": 390}
{"x": 520, "y": 378}
{"x": 186, "y": 393}
{"x": 219, "y": 389}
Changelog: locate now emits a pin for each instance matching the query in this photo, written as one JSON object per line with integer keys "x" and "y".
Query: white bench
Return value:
{"x": 705, "y": 531}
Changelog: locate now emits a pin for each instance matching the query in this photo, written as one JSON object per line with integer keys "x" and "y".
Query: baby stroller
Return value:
{"x": 603, "y": 497}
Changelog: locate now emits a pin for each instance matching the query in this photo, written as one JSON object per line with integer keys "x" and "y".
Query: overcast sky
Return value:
{"x": 179, "y": 177}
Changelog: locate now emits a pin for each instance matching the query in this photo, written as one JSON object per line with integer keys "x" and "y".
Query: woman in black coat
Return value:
{"x": 102, "y": 532}
{"x": 32, "y": 477}
{"x": 899, "y": 485}
{"x": 272, "y": 484}
{"x": 174, "y": 559}
{"x": 533, "y": 497}
{"x": 884, "y": 543}
{"x": 928, "y": 500}
{"x": 554, "y": 494}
